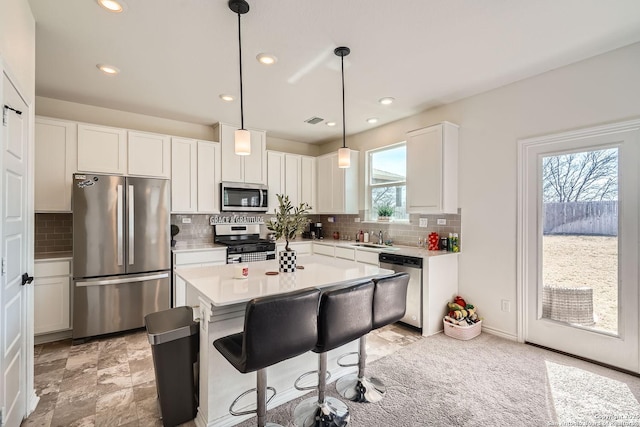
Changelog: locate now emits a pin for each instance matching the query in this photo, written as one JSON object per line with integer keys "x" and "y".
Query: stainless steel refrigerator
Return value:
{"x": 121, "y": 252}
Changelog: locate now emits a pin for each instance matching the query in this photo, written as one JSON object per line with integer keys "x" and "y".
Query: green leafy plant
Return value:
{"x": 385, "y": 210}
{"x": 289, "y": 220}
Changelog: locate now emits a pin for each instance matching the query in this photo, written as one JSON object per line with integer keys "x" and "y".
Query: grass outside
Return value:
{"x": 592, "y": 261}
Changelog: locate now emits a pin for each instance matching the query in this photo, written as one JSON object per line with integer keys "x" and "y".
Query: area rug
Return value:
{"x": 489, "y": 381}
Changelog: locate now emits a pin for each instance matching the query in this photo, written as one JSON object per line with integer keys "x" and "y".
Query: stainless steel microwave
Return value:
{"x": 241, "y": 197}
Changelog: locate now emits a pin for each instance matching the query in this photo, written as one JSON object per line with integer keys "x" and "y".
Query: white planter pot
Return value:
{"x": 287, "y": 261}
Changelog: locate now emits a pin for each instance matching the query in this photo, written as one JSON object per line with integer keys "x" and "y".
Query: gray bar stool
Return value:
{"x": 344, "y": 315}
{"x": 389, "y": 306}
{"x": 276, "y": 328}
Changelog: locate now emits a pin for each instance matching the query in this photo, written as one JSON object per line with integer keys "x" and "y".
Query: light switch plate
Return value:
{"x": 442, "y": 221}
{"x": 186, "y": 220}
{"x": 424, "y": 222}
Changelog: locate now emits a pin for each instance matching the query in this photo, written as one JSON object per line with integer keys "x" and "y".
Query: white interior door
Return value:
{"x": 13, "y": 351}
{"x": 579, "y": 249}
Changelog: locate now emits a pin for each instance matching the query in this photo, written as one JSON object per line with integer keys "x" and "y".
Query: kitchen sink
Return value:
{"x": 374, "y": 246}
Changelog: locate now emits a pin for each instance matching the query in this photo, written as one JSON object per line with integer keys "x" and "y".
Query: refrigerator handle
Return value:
{"x": 122, "y": 280}
{"x": 131, "y": 229}
{"x": 120, "y": 225}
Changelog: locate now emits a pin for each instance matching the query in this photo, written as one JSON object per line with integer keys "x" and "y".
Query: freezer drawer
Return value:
{"x": 118, "y": 303}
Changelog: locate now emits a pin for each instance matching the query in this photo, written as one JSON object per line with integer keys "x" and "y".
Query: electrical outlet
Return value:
{"x": 330, "y": 219}
{"x": 506, "y": 305}
{"x": 442, "y": 221}
{"x": 186, "y": 220}
{"x": 424, "y": 222}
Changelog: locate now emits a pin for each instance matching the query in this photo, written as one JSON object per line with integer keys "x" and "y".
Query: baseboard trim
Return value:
{"x": 54, "y": 336}
{"x": 500, "y": 333}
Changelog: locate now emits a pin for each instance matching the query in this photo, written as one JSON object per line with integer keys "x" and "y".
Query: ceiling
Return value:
{"x": 177, "y": 56}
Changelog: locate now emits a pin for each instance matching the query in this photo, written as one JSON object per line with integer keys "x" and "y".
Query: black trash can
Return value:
{"x": 174, "y": 339}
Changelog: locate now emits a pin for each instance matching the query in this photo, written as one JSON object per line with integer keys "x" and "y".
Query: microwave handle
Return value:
{"x": 261, "y": 198}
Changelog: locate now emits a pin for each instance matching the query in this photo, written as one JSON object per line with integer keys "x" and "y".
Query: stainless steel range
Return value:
{"x": 244, "y": 243}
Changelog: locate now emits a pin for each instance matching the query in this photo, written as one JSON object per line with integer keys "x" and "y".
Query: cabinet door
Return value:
{"x": 149, "y": 154}
{"x": 183, "y": 175}
{"x": 55, "y": 160}
{"x": 424, "y": 170}
{"x": 292, "y": 165}
{"x": 102, "y": 149}
{"x": 275, "y": 177}
{"x": 255, "y": 165}
{"x": 308, "y": 182}
{"x": 232, "y": 164}
{"x": 51, "y": 304}
{"x": 325, "y": 184}
{"x": 208, "y": 177}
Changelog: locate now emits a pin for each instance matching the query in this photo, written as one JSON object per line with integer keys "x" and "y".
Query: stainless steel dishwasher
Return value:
{"x": 412, "y": 266}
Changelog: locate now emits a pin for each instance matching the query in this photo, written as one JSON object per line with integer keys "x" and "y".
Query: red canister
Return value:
{"x": 433, "y": 241}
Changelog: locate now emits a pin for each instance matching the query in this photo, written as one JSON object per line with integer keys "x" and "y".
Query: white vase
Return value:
{"x": 287, "y": 261}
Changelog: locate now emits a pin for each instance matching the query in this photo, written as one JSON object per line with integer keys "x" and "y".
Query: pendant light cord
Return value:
{"x": 344, "y": 135}
{"x": 240, "y": 61}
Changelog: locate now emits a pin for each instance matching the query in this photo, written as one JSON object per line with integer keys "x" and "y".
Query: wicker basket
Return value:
{"x": 462, "y": 332}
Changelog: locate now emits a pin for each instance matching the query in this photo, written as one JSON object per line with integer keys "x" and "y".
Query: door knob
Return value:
{"x": 26, "y": 279}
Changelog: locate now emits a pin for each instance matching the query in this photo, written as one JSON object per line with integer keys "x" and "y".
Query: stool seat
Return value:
{"x": 276, "y": 328}
{"x": 344, "y": 315}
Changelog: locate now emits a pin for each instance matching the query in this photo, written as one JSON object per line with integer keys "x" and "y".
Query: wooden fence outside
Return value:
{"x": 581, "y": 218}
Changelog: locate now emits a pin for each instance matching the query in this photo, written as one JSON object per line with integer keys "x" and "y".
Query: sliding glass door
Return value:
{"x": 579, "y": 243}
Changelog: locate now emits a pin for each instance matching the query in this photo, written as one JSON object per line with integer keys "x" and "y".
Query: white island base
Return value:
{"x": 221, "y": 302}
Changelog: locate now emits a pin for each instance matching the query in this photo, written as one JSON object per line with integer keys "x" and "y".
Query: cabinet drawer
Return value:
{"x": 52, "y": 268}
{"x": 346, "y": 253}
{"x": 201, "y": 257}
{"x": 367, "y": 257}
{"x": 323, "y": 249}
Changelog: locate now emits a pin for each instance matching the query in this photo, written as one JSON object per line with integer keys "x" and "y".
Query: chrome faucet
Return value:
{"x": 380, "y": 238}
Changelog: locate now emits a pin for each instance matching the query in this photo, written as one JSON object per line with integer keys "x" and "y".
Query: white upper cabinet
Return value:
{"x": 432, "y": 169}
{"x": 149, "y": 154}
{"x": 337, "y": 190}
{"x": 249, "y": 169}
{"x": 308, "y": 181}
{"x": 209, "y": 177}
{"x": 102, "y": 149}
{"x": 55, "y": 162}
{"x": 285, "y": 176}
{"x": 195, "y": 176}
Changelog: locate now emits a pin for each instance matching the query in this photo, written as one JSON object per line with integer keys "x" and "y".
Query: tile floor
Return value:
{"x": 111, "y": 382}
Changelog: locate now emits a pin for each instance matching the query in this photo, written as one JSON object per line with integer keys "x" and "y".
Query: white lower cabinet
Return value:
{"x": 301, "y": 248}
{"x": 192, "y": 259}
{"x": 367, "y": 257}
{"x": 52, "y": 296}
{"x": 320, "y": 249}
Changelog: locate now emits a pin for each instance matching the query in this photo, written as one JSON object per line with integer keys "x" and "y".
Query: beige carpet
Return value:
{"x": 490, "y": 381}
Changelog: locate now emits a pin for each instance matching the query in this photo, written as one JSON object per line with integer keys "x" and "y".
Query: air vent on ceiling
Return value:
{"x": 314, "y": 120}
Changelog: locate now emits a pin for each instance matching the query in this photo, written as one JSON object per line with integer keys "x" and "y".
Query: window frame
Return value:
{"x": 370, "y": 215}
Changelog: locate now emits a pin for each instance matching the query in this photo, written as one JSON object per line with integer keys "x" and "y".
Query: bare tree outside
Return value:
{"x": 581, "y": 177}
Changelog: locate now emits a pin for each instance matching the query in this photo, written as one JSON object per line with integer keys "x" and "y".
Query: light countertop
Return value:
{"x": 218, "y": 285}
{"x": 46, "y": 256}
{"x": 399, "y": 249}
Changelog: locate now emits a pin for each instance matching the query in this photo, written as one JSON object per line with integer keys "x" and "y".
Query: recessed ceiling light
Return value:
{"x": 108, "y": 69}
{"x": 330, "y": 123}
{"x": 372, "y": 120}
{"x": 227, "y": 98}
{"x": 266, "y": 59}
{"x": 386, "y": 101}
{"x": 113, "y": 5}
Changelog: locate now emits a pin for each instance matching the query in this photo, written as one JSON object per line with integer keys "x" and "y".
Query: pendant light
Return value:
{"x": 344, "y": 154}
{"x": 242, "y": 137}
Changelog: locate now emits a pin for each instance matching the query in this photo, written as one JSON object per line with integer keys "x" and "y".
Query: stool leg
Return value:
{"x": 359, "y": 388}
{"x": 261, "y": 403}
{"x": 321, "y": 411}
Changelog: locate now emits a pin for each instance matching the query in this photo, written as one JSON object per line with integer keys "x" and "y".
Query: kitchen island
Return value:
{"x": 221, "y": 300}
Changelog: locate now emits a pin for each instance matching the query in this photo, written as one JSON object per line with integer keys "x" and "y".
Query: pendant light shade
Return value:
{"x": 344, "y": 153}
{"x": 242, "y": 142}
{"x": 242, "y": 137}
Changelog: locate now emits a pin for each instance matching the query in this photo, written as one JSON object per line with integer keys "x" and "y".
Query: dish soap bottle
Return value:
{"x": 361, "y": 236}
{"x": 366, "y": 237}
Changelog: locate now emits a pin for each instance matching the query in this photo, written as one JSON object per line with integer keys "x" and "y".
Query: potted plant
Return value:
{"x": 384, "y": 212}
{"x": 288, "y": 222}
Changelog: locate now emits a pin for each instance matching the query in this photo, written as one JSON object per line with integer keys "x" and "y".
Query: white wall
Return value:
{"x": 599, "y": 90}
{"x": 18, "y": 44}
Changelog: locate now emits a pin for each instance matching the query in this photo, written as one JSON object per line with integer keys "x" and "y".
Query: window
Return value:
{"x": 387, "y": 181}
